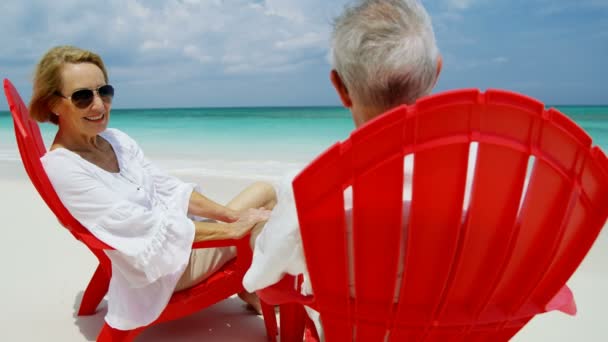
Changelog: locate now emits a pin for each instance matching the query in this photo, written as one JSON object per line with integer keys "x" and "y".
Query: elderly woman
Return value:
{"x": 384, "y": 55}
{"x": 103, "y": 178}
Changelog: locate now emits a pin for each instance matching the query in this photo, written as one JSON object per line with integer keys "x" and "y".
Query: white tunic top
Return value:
{"x": 141, "y": 212}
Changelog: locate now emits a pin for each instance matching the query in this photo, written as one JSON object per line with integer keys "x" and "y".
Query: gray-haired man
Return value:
{"x": 384, "y": 54}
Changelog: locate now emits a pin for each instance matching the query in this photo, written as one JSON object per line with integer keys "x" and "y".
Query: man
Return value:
{"x": 384, "y": 54}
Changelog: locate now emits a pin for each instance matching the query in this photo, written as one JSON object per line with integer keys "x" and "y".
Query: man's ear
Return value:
{"x": 439, "y": 68}
{"x": 340, "y": 89}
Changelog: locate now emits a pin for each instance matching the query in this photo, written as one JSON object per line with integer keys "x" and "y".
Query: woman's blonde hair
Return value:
{"x": 47, "y": 79}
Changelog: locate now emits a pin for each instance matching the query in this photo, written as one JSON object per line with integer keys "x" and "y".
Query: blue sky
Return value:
{"x": 186, "y": 53}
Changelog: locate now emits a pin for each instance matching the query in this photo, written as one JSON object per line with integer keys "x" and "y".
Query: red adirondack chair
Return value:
{"x": 480, "y": 275}
{"x": 221, "y": 285}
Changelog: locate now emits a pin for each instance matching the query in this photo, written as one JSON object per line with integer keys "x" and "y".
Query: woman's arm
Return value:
{"x": 184, "y": 196}
{"x": 197, "y": 204}
{"x": 202, "y": 206}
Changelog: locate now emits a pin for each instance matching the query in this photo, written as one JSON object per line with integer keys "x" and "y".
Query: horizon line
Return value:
{"x": 294, "y": 106}
{"x": 312, "y": 106}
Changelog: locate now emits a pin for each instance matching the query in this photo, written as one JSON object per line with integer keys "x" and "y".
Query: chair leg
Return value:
{"x": 310, "y": 332}
{"x": 109, "y": 334}
{"x": 270, "y": 321}
{"x": 97, "y": 288}
{"x": 292, "y": 322}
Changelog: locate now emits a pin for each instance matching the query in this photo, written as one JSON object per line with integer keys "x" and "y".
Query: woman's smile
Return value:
{"x": 97, "y": 118}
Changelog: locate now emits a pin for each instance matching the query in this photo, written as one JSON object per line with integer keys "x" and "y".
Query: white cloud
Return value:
{"x": 154, "y": 44}
{"x": 200, "y": 44}
{"x": 446, "y": 17}
{"x": 284, "y": 9}
{"x": 279, "y": 34}
{"x": 500, "y": 60}
{"x": 527, "y": 85}
{"x": 460, "y": 4}
{"x": 137, "y": 10}
{"x": 553, "y": 7}
{"x": 468, "y": 64}
{"x": 197, "y": 54}
{"x": 306, "y": 40}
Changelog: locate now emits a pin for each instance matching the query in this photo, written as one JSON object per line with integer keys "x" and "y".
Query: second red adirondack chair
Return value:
{"x": 538, "y": 200}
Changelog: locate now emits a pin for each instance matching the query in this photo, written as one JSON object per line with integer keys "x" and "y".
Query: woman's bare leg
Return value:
{"x": 257, "y": 195}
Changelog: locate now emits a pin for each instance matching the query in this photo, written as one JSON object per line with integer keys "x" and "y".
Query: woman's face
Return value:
{"x": 92, "y": 119}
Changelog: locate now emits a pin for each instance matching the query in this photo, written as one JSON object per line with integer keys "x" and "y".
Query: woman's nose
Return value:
{"x": 97, "y": 101}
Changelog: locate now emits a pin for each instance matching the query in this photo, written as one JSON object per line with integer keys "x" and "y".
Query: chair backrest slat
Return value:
{"x": 325, "y": 215}
{"x": 440, "y": 144}
{"x": 433, "y": 230}
{"x": 376, "y": 223}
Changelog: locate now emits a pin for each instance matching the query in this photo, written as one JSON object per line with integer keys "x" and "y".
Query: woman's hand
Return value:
{"x": 245, "y": 220}
{"x": 242, "y": 223}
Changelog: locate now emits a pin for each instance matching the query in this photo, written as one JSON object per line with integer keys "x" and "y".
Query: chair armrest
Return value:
{"x": 286, "y": 291}
{"x": 217, "y": 243}
{"x": 563, "y": 301}
{"x": 241, "y": 244}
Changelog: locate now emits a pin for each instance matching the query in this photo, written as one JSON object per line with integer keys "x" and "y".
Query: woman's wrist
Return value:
{"x": 205, "y": 231}
{"x": 230, "y": 215}
{"x": 202, "y": 206}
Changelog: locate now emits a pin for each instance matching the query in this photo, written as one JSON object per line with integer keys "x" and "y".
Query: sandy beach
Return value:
{"x": 46, "y": 270}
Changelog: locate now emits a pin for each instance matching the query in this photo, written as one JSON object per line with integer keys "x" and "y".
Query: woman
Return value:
{"x": 104, "y": 180}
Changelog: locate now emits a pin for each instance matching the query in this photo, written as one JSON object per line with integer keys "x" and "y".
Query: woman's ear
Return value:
{"x": 340, "y": 88}
{"x": 56, "y": 106}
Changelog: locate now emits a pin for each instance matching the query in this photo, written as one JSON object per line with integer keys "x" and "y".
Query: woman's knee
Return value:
{"x": 267, "y": 192}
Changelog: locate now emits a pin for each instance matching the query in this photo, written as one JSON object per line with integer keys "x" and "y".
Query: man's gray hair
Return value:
{"x": 385, "y": 51}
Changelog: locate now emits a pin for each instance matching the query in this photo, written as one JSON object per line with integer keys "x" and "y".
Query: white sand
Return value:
{"x": 45, "y": 271}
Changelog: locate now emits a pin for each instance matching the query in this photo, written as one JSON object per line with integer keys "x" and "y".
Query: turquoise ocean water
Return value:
{"x": 259, "y": 142}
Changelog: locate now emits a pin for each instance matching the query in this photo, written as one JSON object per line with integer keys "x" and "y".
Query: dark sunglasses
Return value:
{"x": 83, "y": 98}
